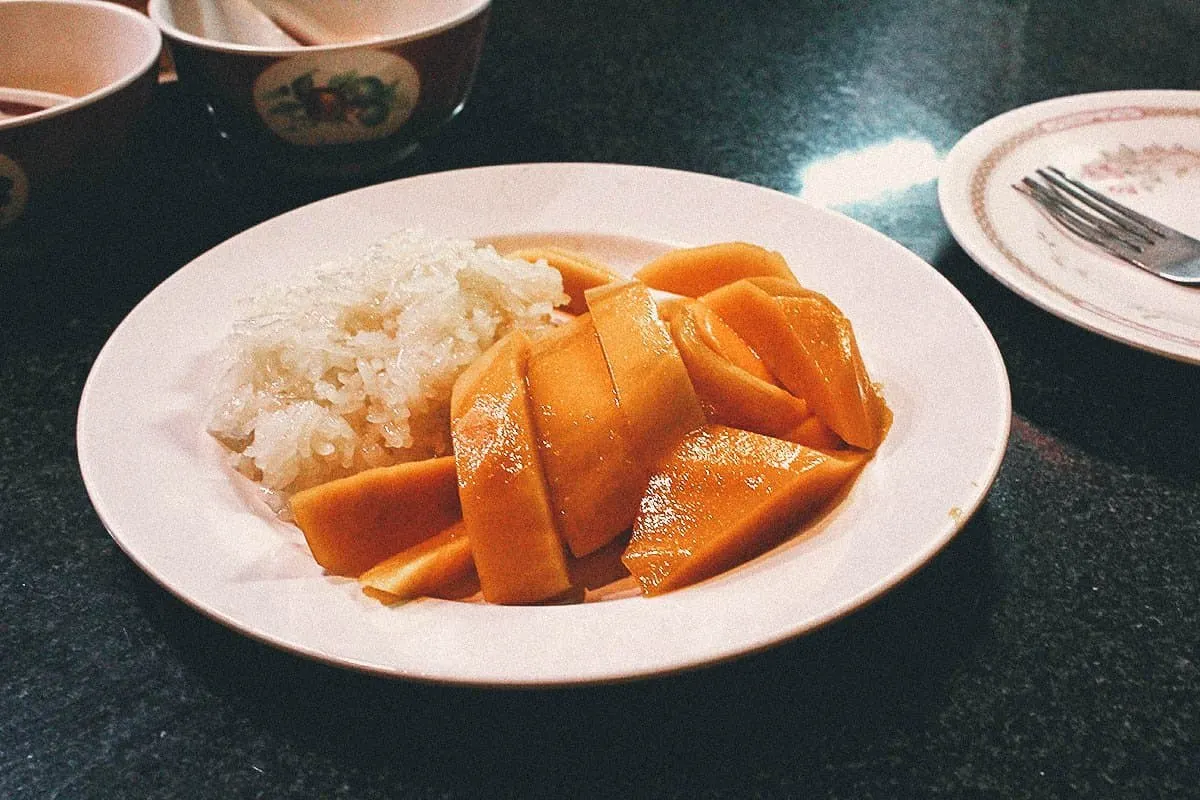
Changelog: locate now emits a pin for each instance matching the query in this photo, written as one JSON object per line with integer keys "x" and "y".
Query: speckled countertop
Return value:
{"x": 1051, "y": 650}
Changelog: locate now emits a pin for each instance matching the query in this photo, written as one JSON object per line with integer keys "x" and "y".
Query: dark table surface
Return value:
{"x": 1049, "y": 651}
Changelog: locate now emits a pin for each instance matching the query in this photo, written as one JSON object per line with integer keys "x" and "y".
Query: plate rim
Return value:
{"x": 896, "y": 575}
{"x": 955, "y": 190}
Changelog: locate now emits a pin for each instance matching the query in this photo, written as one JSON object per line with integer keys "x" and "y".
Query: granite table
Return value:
{"x": 1050, "y": 650}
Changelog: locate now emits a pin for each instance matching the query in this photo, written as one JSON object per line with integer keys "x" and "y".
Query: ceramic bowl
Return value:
{"x": 75, "y": 77}
{"x": 385, "y": 77}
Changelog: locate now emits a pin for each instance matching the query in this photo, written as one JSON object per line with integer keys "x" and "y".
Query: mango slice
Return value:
{"x": 717, "y": 335}
{"x": 815, "y": 434}
{"x": 731, "y": 395}
{"x": 695, "y": 271}
{"x": 724, "y": 341}
{"x": 653, "y": 389}
{"x": 668, "y": 307}
{"x": 599, "y": 568}
{"x": 436, "y": 567}
{"x": 505, "y": 505}
{"x": 858, "y": 411}
{"x": 753, "y": 314}
{"x": 595, "y": 483}
{"x": 579, "y": 272}
{"x": 724, "y": 496}
{"x": 827, "y": 336}
{"x": 809, "y": 346}
{"x": 353, "y": 523}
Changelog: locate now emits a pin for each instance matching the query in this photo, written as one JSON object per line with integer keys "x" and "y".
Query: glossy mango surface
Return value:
{"x": 431, "y": 568}
{"x": 595, "y": 481}
{"x": 353, "y": 523}
{"x": 724, "y": 496}
{"x": 653, "y": 389}
{"x": 730, "y": 394}
{"x": 693, "y": 271}
{"x": 505, "y": 503}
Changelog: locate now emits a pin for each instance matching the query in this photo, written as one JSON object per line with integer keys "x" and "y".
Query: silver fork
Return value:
{"x": 1114, "y": 228}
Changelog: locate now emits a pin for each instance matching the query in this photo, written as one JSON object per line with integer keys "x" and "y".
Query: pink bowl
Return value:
{"x": 338, "y": 108}
{"x": 78, "y": 74}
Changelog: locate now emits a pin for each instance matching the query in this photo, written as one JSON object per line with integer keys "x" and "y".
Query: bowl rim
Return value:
{"x": 171, "y": 32}
{"x": 143, "y": 22}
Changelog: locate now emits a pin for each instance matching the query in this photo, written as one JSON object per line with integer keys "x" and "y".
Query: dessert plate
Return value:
{"x": 1140, "y": 147}
{"x": 162, "y": 489}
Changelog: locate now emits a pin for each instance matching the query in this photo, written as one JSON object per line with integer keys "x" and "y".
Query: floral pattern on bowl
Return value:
{"x": 14, "y": 190}
{"x": 359, "y": 96}
{"x": 347, "y": 98}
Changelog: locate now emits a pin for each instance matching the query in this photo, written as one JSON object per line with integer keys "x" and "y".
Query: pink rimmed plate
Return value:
{"x": 1140, "y": 147}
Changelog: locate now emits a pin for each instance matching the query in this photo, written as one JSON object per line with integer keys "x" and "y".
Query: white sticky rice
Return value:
{"x": 354, "y": 369}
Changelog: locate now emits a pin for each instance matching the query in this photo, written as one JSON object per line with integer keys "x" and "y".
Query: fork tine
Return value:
{"x": 1083, "y": 229}
{"x": 1119, "y": 231}
{"x": 1107, "y": 202}
{"x": 1073, "y": 197}
{"x": 1066, "y": 209}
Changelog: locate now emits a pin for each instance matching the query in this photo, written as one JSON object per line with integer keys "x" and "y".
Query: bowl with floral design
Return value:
{"x": 75, "y": 78}
{"x": 348, "y": 88}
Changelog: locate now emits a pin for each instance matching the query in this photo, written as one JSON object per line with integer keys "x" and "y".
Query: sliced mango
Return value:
{"x": 717, "y": 335}
{"x": 668, "y": 307}
{"x": 753, "y": 314}
{"x": 640, "y": 444}
{"x": 653, "y": 389}
{"x": 730, "y": 395}
{"x": 816, "y": 434}
{"x": 579, "y": 272}
{"x": 779, "y": 287}
{"x": 353, "y": 523}
{"x": 599, "y": 568}
{"x": 595, "y": 483}
{"x": 724, "y": 496}
{"x": 724, "y": 341}
{"x": 694, "y": 271}
{"x": 755, "y": 317}
{"x": 858, "y": 412}
{"x": 505, "y": 504}
{"x": 436, "y": 567}
{"x": 809, "y": 346}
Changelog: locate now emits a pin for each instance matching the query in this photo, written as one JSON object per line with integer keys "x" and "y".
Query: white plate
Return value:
{"x": 1141, "y": 147}
{"x": 159, "y": 485}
